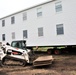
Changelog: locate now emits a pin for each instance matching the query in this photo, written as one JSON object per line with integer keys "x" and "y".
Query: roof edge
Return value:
{"x": 28, "y": 8}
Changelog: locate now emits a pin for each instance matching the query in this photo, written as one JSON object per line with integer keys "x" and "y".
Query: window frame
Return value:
{"x": 3, "y": 37}
{"x": 25, "y": 34}
{"x": 58, "y": 6}
{"x": 24, "y": 16}
{"x": 60, "y": 29}
{"x": 13, "y": 20}
{"x": 40, "y": 32}
{"x": 13, "y": 35}
{"x": 39, "y": 12}
{"x": 3, "y": 23}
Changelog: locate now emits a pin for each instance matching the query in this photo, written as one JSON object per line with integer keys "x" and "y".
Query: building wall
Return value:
{"x": 49, "y": 19}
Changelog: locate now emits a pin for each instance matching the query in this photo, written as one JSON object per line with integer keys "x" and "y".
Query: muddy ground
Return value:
{"x": 64, "y": 64}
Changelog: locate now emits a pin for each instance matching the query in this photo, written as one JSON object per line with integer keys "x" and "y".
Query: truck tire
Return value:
{"x": 57, "y": 52}
{"x": 49, "y": 51}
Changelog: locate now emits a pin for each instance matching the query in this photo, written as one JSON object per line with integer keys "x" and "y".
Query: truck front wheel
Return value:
{"x": 57, "y": 52}
{"x": 49, "y": 51}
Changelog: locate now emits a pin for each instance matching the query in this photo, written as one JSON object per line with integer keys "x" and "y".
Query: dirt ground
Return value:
{"x": 64, "y": 64}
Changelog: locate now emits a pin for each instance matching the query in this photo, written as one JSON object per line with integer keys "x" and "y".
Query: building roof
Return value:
{"x": 27, "y": 9}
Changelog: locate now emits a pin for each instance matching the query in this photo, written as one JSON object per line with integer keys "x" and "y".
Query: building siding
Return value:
{"x": 49, "y": 19}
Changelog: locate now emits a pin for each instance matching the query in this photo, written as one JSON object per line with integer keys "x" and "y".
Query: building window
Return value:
{"x": 60, "y": 29}
{"x": 58, "y": 6}
{"x": 12, "y": 20}
{"x": 3, "y": 23}
{"x": 3, "y": 37}
{"x": 24, "y": 16}
{"x": 13, "y": 35}
{"x": 40, "y": 31}
{"x": 39, "y": 12}
{"x": 25, "y": 34}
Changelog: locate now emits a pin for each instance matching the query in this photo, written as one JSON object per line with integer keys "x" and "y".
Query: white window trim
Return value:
{"x": 60, "y": 25}
{"x": 58, "y": 3}
{"x": 39, "y": 12}
{"x": 24, "y": 16}
{"x": 13, "y": 20}
{"x": 3, "y": 23}
{"x": 42, "y": 33}
{"x": 13, "y": 35}
{"x": 25, "y": 37}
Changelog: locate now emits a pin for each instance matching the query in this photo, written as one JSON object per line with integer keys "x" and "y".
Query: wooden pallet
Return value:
{"x": 43, "y": 60}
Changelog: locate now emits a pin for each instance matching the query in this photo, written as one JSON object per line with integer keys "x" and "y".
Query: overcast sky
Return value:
{"x": 8, "y": 7}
